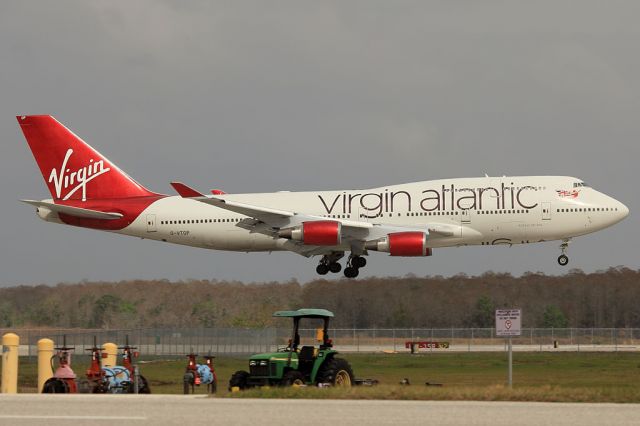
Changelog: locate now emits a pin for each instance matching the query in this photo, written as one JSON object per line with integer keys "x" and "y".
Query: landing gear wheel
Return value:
{"x": 322, "y": 269}
{"x": 350, "y": 272}
{"x": 337, "y": 372}
{"x": 359, "y": 262}
{"x": 335, "y": 267}
{"x": 292, "y": 378}
{"x": 563, "y": 259}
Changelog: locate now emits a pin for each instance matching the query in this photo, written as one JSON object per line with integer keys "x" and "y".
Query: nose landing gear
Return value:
{"x": 563, "y": 259}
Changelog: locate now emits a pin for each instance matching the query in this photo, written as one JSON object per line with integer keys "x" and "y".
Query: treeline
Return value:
{"x": 602, "y": 299}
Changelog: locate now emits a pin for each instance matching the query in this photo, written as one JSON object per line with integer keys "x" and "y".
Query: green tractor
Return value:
{"x": 296, "y": 365}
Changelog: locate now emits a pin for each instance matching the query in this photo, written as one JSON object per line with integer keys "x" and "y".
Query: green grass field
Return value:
{"x": 605, "y": 377}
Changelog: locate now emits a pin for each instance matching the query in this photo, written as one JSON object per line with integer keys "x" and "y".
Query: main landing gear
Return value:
{"x": 353, "y": 265}
{"x": 329, "y": 263}
{"x": 563, "y": 259}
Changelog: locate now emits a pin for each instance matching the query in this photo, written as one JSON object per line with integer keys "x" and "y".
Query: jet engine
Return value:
{"x": 401, "y": 244}
{"x": 315, "y": 233}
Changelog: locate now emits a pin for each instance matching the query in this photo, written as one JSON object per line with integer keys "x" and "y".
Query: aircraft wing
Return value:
{"x": 74, "y": 211}
{"x": 268, "y": 221}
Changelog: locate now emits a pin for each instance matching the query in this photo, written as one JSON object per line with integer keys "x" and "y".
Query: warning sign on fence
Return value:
{"x": 507, "y": 322}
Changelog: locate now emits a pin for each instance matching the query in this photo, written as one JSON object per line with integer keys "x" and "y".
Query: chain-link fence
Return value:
{"x": 241, "y": 341}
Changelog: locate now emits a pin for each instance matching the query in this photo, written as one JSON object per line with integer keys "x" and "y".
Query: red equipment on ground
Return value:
{"x": 414, "y": 345}
{"x": 200, "y": 374}
{"x": 128, "y": 354}
{"x": 64, "y": 379}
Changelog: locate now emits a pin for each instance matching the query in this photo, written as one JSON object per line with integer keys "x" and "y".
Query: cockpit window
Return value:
{"x": 579, "y": 184}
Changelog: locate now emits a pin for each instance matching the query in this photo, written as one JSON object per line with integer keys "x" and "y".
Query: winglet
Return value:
{"x": 184, "y": 191}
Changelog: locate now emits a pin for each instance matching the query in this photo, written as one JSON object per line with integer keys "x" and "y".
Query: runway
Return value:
{"x": 33, "y": 409}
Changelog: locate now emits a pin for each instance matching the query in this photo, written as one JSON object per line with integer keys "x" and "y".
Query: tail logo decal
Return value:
{"x": 64, "y": 178}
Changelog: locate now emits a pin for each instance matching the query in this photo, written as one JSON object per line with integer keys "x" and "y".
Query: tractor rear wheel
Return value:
{"x": 292, "y": 378}
{"x": 336, "y": 372}
{"x": 239, "y": 379}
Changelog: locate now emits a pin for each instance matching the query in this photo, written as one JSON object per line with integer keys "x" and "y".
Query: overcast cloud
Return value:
{"x": 265, "y": 96}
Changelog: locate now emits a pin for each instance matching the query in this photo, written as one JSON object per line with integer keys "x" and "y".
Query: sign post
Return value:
{"x": 508, "y": 325}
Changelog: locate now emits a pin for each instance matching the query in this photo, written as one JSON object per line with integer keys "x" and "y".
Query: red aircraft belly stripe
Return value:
{"x": 130, "y": 208}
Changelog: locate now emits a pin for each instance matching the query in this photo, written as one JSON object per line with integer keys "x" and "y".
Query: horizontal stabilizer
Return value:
{"x": 185, "y": 191}
{"x": 74, "y": 211}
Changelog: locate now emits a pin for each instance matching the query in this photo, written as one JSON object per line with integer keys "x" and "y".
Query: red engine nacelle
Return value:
{"x": 402, "y": 244}
{"x": 316, "y": 233}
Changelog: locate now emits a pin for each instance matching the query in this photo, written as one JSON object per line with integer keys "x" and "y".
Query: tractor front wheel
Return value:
{"x": 336, "y": 372}
{"x": 239, "y": 380}
{"x": 292, "y": 378}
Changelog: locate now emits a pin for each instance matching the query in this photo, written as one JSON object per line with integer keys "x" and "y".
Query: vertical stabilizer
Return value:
{"x": 71, "y": 168}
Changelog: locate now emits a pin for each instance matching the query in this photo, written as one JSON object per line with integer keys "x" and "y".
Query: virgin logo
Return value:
{"x": 65, "y": 179}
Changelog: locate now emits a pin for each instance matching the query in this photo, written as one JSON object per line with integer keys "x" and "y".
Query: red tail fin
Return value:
{"x": 70, "y": 167}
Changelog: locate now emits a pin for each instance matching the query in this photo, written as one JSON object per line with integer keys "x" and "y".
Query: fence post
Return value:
{"x": 431, "y": 346}
{"x": 612, "y": 339}
{"x": 394, "y": 339}
{"x": 354, "y": 336}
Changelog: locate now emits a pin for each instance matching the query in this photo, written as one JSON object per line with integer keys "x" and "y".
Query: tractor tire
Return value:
{"x": 239, "y": 379}
{"x": 337, "y": 372}
{"x": 292, "y": 378}
{"x": 54, "y": 385}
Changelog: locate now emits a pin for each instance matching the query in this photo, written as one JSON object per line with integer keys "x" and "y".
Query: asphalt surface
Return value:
{"x": 33, "y": 409}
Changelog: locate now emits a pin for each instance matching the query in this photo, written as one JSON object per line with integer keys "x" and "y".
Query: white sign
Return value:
{"x": 507, "y": 322}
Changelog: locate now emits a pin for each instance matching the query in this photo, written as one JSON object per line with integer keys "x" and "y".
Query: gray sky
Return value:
{"x": 265, "y": 96}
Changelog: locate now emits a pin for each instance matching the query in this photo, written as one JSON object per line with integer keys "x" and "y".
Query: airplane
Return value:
{"x": 409, "y": 219}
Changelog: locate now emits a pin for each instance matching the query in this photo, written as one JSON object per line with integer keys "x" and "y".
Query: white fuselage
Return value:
{"x": 487, "y": 211}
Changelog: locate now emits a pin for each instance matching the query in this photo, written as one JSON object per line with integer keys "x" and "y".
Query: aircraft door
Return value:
{"x": 151, "y": 223}
{"x": 364, "y": 215}
{"x": 465, "y": 216}
{"x": 546, "y": 211}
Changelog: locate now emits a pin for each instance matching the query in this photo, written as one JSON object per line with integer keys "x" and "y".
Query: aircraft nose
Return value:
{"x": 623, "y": 210}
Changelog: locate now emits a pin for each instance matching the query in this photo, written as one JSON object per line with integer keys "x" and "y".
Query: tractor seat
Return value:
{"x": 306, "y": 357}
